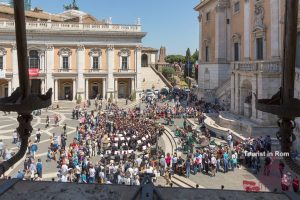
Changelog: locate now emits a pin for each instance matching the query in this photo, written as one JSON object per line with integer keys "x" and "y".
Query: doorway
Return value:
{"x": 36, "y": 86}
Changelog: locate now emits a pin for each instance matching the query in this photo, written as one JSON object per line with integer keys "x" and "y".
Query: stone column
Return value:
{"x": 80, "y": 69}
{"x": 232, "y": 98}
{"x": 55, "y": 90}
{"x": 247, "y": 22}
{"x": 74, "y": 89}
{"x": 9, "y": 87}
{"x": 132, "y": 85}
{"x": 104, "y": 88}
{"x": 254, "y": 90}
{"x": 116, "y": 88}
{"x": 42, "y": 86}
{"x": 220, "y": 27}
{"x": 237, "y": 94}
{"x": 110, "y": 65}
{"x": 138, "y": 67}
{"x": 42, "y": 61}
{"x": 200, "y": 36}
{"x": 15, "y": 79}
{"x": 49, "y": 68}
{"x": 275, "y": 51}
{"x": 86, "y": 89}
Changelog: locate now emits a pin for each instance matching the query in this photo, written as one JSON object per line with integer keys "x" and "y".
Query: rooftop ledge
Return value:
{"x": 64, "y": 26}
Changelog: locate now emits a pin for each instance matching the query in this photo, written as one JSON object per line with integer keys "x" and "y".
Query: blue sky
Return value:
{"x": 171, "y": 23}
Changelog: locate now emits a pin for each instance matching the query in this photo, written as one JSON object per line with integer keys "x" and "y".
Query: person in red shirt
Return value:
{"x": 168, "y": 159}
{"x": 296, "y": 184}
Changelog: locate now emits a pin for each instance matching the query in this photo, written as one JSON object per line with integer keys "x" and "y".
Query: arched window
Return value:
{"x": 34, "y": 59}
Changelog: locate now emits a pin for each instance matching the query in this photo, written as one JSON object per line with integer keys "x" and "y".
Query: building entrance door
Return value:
{"x": 36, "y": 86}
{"x": 122, "y": 90}
{"x": 95, "y": 91}
{"x": 67, "y": 93}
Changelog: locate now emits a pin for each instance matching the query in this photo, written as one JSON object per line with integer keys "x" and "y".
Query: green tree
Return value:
{"x": 175, "y": 59}
{"x": 188, "y": 59}
{"x": 195, "y": 56}
{"x": 168, "y": 72}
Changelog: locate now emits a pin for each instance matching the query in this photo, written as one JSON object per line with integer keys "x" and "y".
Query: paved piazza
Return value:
{"x": 231, "y": 180}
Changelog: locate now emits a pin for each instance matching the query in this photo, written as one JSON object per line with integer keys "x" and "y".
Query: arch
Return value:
{"x": 144, "y": 60}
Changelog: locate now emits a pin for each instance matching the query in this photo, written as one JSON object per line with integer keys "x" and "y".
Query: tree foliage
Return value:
{"x": 168, "y": 72}
{"x": 175, "y": 59}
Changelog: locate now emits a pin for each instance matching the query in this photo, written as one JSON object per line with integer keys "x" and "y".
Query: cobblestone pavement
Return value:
{"x": 231, "y": 180}
{"x": 8, "y": 123}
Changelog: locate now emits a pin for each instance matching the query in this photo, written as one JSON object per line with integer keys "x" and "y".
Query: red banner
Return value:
{"x": 33, "y": 72}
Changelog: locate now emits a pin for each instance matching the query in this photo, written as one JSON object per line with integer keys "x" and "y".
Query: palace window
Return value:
{"x": 34, "y": 59}
{"x": 95, "y": 62}
{"x": 1, "y": 63}
{"x": 124, "y": 63}
{"x": 207, "y": 16}
{"x": 95, "y": 58}
{"x": 65, "y": 62}
{"x": 237, "y": 7}
{"x": 236, "y": 52}
{"x": 2, "y": 58}
{"x": 124, "y": 59}
{"x": 259, "y": 49}
{"x": 65, "y": 58}
{"x": 206, "y": 53}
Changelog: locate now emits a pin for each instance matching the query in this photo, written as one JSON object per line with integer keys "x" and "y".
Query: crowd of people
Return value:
{"x": 118, "y": 146}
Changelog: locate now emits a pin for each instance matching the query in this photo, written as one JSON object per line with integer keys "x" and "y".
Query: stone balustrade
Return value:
{"x": 64, "y": 26}
{"x": 257, "y": 66}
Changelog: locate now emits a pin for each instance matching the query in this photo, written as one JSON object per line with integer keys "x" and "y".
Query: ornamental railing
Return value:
{"x": 257, "y": 66}
{"x": 64, "y": 26}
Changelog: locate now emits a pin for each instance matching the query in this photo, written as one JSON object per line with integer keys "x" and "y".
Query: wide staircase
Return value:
{"x": 150, "y": 79}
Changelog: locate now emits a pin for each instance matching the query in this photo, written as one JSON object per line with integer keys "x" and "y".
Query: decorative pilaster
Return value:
{"x": 110, "y": 65}
{"x": 275, "y": 50}
{"x": 80, "y": 68}
{"x": 220, "y": 27}
{"x": 15, "y": 79}
{"x": 247, "y": 21}
{"x": 138, "y": 67}
{"x": 49, "y": 68}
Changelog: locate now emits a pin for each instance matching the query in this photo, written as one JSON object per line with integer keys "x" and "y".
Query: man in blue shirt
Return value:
{"x": 34, "y": 149}
{"x": 39, "y": 168}
{"x": 225, "y": 157}
{"x": 20, "y": 175}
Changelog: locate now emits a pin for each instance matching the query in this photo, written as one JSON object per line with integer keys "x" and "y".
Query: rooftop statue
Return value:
{"x": 71, "y": 6}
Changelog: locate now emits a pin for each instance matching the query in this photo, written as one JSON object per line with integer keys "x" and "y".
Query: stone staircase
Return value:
{"x": 150, "y": 78}
{"x": 223, "y": 89}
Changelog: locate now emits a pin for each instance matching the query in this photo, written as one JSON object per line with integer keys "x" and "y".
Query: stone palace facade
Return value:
{"x": 73, "y": 53}
{"x": 241, "y": 51}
